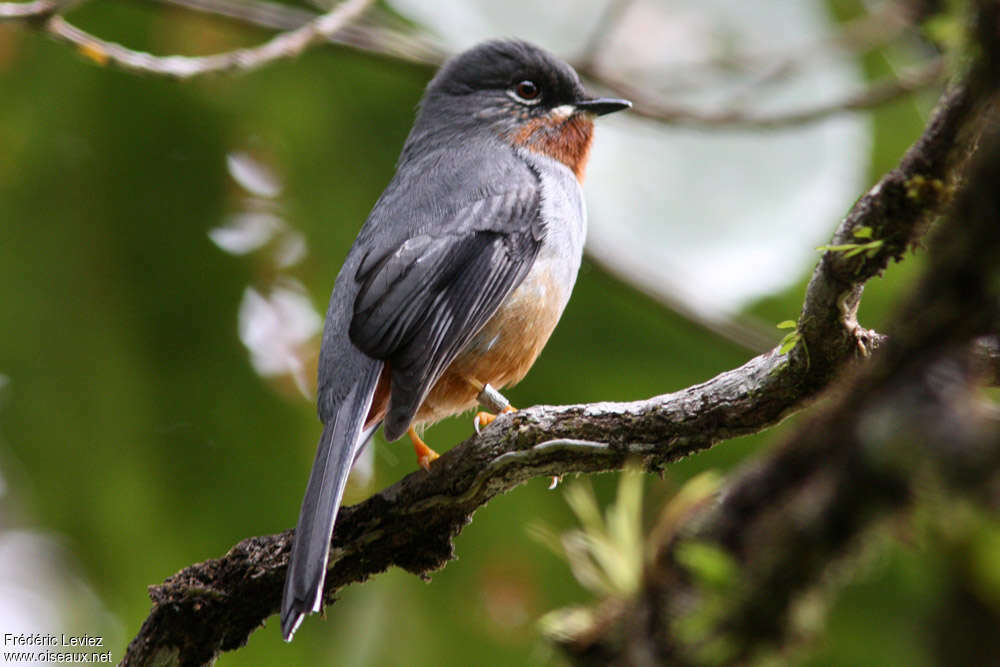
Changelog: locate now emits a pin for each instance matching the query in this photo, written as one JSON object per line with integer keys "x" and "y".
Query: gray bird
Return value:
{"x": 458, "y": 276}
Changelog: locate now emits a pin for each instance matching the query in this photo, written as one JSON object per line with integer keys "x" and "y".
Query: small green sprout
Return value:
{"x": 606, "y": 553}
{"x": 791, "y": 339}
{"x": 852, "y": 249}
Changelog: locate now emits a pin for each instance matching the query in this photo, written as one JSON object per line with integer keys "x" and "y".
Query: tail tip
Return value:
{"x": 291, "y": 619}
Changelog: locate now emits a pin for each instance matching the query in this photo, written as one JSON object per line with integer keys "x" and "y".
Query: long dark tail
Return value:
{"x": 339, "y": 445}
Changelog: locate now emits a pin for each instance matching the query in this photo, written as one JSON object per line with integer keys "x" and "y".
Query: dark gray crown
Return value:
{"x": 500, "y": 64}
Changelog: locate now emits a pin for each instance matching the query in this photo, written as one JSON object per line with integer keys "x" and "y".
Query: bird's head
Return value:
{"x": 522, "y": 94}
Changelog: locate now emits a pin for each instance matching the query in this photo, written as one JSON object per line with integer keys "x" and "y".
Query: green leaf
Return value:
{"x": 786, "y": 324}
{"x": 855, "y": 251}
{"x": 789, "y": 342}
{"x": 863, "y": 233}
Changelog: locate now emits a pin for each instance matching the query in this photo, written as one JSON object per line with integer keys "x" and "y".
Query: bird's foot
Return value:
{"x": 492, "y": 400}
{"x": 425, "y": 455}
{"x": 484, "y": 419}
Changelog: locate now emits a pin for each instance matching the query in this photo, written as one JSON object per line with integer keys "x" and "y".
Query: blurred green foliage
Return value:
{"x": 134, "y": 427}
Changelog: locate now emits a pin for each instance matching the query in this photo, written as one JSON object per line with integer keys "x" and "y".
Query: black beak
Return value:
{"x": 602, "y": 105}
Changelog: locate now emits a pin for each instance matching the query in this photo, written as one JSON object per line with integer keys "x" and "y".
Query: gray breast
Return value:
{"x": 565, "y": 218}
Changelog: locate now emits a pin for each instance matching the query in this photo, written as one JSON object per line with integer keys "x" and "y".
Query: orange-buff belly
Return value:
{"x": 500, "y": 354}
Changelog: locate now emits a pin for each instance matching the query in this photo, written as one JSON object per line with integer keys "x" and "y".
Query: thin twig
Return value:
{"x": 374, "y": 35}
{"x": 283, "y": 45}
{"x": 20, "y": 11}
{"x": 877, "y": 94}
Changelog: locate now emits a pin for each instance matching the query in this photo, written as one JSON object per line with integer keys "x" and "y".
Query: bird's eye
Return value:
{"x": 527, "y": 91}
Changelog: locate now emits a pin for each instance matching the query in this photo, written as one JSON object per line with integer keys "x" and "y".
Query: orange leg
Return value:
{"x": 425, "y": 455}
{"x": 484, "y": 419}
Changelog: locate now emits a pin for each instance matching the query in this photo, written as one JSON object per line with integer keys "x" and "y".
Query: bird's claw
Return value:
{"x": 484, "y": 419}
{"x": 425, "y": 455}
{"x": 425, "y": 460}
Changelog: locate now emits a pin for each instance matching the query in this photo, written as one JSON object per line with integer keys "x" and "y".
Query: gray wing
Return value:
{"x": 420, "y": 302}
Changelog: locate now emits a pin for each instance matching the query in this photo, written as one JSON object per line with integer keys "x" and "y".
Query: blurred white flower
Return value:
{"x": 276, "y": 329}
{"x": 246, "y": 231}
{"x": 252, "y": 175}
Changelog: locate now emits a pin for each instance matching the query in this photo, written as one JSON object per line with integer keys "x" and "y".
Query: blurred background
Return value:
{"x": 167, "y": 249}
